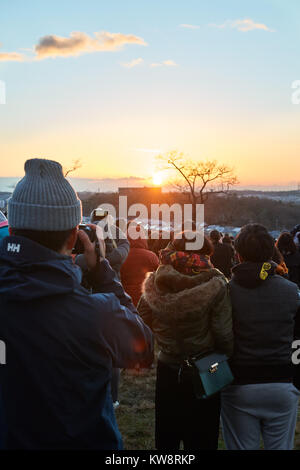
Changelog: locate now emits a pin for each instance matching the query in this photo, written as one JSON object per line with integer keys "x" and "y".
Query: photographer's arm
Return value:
{"x": 102, "y": 279}
{"x": 128, "y": 339}
{"x": 119, "y": 254}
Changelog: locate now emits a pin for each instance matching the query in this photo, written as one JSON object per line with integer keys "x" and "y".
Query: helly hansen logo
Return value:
{"x": 15, "y": 248}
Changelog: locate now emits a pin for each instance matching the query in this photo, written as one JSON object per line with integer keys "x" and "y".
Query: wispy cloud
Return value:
{"x": 166, "y": 63}
{"x": 11, "y": 56}
{"x": 81, "y": 43}
{"x": 170, "y": 63}
{"x": 133, "y": 63}
{"x": 189, "y": 26}
{"x": 78, "y": 43}
{"x": 244, "y": 25}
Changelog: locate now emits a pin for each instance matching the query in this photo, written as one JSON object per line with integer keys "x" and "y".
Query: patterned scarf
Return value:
{"x": 185, "y": 263}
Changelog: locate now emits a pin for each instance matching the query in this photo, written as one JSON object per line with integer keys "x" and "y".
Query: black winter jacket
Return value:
{"x": 61, "y": 344}
{"x": 222, "y": 258}
{"x": 264, "y": 314}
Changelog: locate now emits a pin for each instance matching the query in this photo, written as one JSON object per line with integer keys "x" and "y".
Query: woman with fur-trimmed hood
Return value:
{"x": 186, "y": 304}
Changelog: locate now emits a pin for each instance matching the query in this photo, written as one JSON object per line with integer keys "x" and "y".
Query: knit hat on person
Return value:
{"x": 44, "y": 200}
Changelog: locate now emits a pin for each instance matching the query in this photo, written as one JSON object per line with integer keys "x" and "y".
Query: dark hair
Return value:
{"x": 227, "y": 239}
{"x": 179, "y": 243}
{"x": 286, "y": 244}
{"x": 254, "y": 243}
{"x": 215, "y": 235}
{"x": 52, "y": 240}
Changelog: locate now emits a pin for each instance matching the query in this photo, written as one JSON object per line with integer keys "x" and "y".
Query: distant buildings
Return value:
{"x": 147, "y": 192}
{"x": 145, "y": 195}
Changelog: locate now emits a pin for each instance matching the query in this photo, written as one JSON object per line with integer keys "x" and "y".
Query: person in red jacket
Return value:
{"x": 139, "y": 262}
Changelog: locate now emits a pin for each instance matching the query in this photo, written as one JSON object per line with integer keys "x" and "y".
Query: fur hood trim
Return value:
{"x": 169, "y": 292}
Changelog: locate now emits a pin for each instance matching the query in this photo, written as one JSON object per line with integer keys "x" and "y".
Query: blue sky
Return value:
{"x": 219, "y": 92}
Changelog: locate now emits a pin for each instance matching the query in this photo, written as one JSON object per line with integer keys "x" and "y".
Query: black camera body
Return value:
{"x": 79, "y": 248}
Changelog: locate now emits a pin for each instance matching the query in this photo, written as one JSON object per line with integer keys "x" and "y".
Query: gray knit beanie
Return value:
{"x": 44, "y": 200}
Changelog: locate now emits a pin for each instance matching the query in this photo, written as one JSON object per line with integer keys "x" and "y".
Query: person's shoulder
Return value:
{"x": 217, "y": 247}
{"x": 284, "y": 283}
{"x": 152, "y": 256}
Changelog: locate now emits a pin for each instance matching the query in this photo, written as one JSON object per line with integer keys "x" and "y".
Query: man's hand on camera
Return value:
{"x": 90, "y": 253}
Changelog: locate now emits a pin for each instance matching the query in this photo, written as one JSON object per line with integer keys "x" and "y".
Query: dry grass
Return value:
{"x": 135, "y": 414}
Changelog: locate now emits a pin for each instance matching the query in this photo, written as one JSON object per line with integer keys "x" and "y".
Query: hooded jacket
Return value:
{"x": 264, "y": 307}
{"x": 139, "y": 262}
{"x": 61, "y": 344}
{"x": 188, "y": 315}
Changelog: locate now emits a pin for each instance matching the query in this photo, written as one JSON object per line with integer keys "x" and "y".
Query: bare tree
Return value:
{"x": 200, "y": 179}
{"x": 76, "y": 164}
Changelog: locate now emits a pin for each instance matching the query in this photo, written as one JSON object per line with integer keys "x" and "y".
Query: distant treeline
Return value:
{"x": 227, "y": 209}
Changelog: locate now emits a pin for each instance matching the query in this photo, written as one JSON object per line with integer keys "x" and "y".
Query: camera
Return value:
{"x": 79, "y": 248}
{"x": 97, "y": 215}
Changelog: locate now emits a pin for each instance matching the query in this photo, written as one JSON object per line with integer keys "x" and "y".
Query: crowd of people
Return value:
{"x": 71, "y": 321}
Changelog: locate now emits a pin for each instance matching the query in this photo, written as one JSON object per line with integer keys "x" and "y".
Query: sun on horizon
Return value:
{"x": 157, "y": 179}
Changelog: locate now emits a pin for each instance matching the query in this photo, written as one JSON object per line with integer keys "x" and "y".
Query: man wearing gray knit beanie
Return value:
{"x": 61, "y": 341}
{"x": 44, "y": 199}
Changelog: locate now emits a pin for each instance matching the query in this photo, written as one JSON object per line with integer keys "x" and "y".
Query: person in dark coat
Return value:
{"x": 223, "y": 254}
{"x": 291, "y": 255}
{"x": 263, "y": 400}
{"x": 61, "y": 341}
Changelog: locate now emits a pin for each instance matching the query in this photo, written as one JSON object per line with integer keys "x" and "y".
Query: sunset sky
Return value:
{"x": 113, "y": 83}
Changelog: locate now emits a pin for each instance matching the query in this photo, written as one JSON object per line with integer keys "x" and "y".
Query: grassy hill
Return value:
{"x": 135, "y": 414}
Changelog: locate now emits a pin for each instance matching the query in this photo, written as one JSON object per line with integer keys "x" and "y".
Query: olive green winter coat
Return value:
{"x": 189, "y": 315}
